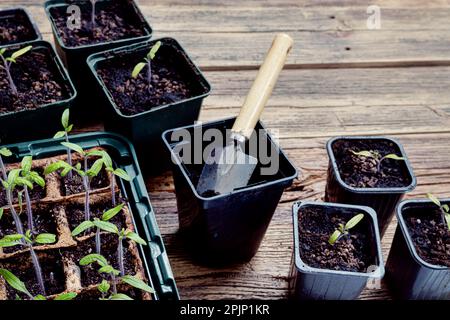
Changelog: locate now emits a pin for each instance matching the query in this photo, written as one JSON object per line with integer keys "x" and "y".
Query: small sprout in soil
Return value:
{"x": 100, "y": 224}
{"x": 28, "y": 241}
{"x": 86, "y": 173}
{"x": 148, "y": 62}
{"x": 343, "y": 230}
{"x": 15, "y": 283}
{"x": 114, "y": 172}
{"x": 7, "y": 62}
{"x": 65, "y": 134}
{"x": 444, "y": 208}
{"x": 28, "y": 179}
{"x": 126, "y": 234}
{"x": 377, "y": 157}
{"x": 104, "y": 286}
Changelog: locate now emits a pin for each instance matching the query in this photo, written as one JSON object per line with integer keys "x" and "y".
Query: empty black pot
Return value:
{"x": 225, "y": 228}
{"x": 382, "y": 200}
{"x": 20, "y": 17}
{"x": 410, "y": 277}
{"x": 74, "y": 58}
{"x": 309, "y": 283}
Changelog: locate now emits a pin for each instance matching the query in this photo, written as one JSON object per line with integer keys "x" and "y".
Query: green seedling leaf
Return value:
{"x": 106, "y": 226}
{"x": 45, "y": 238}
{"x": 11, "y": 60}
{"x": 2, "y": 210}
{"x": 74, "y": 147}
{"x": 104, "y": 286}
{"x": 2, "y": 51}
{"x": 66, "y": 296}
{"x": 334, "y": 237}
{"x": 366, "y": 154}
{"x": 109, "y": 269}
{"x": 55, "y": 166}
{"x": 36, "y": 178}
{"x": 12, "y": 176}
{"x": 14, "y": 282}
{"x": 137, "y": 69}
{"x": 85, "y": 225}
{"x": 137, "y": 283}
{"x": 40, "y": 297}
{"x": 151, "y": 55}
{"x": 24, "y": 182}
{"x": 20, "y": 52}
{"x": 5, "y": 152}
{"x": 122, "y": 174}
{"x": 96, "y": 168}
{"x": 91, "y": 258}
{"x": 447, "y": 219}
{"x": 354, "y": 221}
{"x": 107, "y": 159}
{"x": 111, "y": 213}
{"x": 95, "y": 153}
{"x": 65, "y": 118}
{"x": 133, "y": 236}
{"x": 59, "y": 135}
{"x": 394, "y": 157}
{"x": 120, "y": 296}
{"x": 27, "y": 163}
{"x": 445, "y": 207}
{"x": 434, "y": 199}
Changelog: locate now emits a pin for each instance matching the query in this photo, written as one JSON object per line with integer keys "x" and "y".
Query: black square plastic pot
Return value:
{"x": 309, "y": 283}
{"x": 74, "y": 58}
{"x": 154, "y": 256}
{"x": 43, "y": 121}
{"x": 382, "y": 200}
{"x": 409, "y": 276}
{"x": 21, "y": 15}
{"x": 145, "y": 129}
{"x": 226, "y": 228}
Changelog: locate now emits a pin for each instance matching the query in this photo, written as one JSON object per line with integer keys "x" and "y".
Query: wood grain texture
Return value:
{"x": 341, "y": 79}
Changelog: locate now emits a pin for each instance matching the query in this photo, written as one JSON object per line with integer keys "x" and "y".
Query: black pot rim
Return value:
{"x": 49, "y": 4}
{"x": 94, "y": 59}
{"x": 408, "y": 188}
{"x": 60, "y": 67}
{"x": 30, "y": 18}
{"x": 178, "y": 161}
{"x": 303, "y": 267}
{"x": 404, "y": 228}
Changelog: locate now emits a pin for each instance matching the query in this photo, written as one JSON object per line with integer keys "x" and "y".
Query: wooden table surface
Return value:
{"x": 341, "y": 79}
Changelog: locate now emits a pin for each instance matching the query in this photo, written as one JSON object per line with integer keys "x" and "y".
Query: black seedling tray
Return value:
{"x": 122, "y": 152}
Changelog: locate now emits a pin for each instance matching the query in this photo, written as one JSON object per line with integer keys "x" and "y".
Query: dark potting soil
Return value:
{"x": 43, "y": 218}
{"x": 114, "y": 20}
{"x": 16, "y": 27}
{"x": 38, "y": 82}
{"x": 89, "y": 274}
{"x": 96, "y": 295}
{"x": 36, "y": 194}
{"x": 361, "y": 172}
{"x": 52, "y": 270}
{"x": 351, "y": 253}
{"x": 429, "y": 234}
{"x": 75, "y": 214}
{"x": 75, "y": 185}
{"x": 170, "y": 83}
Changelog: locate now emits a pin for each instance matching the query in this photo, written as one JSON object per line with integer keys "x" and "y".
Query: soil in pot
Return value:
{"x": 75, "y": 214}
{"x": 16, "y": 27}
{"x": 362, "y": 172}
{"x": 94, "y": 294}
{"x": 114, "y": 20}
{"x": 171, "y": 82}
{"x": 429, "y": 234}
{"x": 352, "y": 253}
{"x": 89, "y": 274}
{"x": 38, "y": 83}
{"x": 52, "y": 270}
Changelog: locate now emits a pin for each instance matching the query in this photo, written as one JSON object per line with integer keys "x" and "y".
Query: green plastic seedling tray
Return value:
{"x": 74, "y": 58}
{"x": 121, "y": 150}
{"x": 43, "y": 121}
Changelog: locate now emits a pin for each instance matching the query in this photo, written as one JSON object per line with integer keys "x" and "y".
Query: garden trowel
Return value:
{"x": 229, "y": 168}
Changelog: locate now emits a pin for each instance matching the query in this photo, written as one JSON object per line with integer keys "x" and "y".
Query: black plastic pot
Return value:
{"x": 74, "y": 58}
{"x": 382, "y": 200}
{"x": 410, "y": 277}
{"x": 309, "y": 283}
{"x": 43, "y": 121}
{"x": 122, "y": 152}
{"x": 145, "y": 129}
{"x": 20, "y": 14}
{"x": 225, "y": 228}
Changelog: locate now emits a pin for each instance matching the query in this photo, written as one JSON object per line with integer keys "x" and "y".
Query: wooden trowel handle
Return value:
{"x": 263, "y": 86}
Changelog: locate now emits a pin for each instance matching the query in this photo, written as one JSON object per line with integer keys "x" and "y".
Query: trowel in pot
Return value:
{"x": 229, "y": 168}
